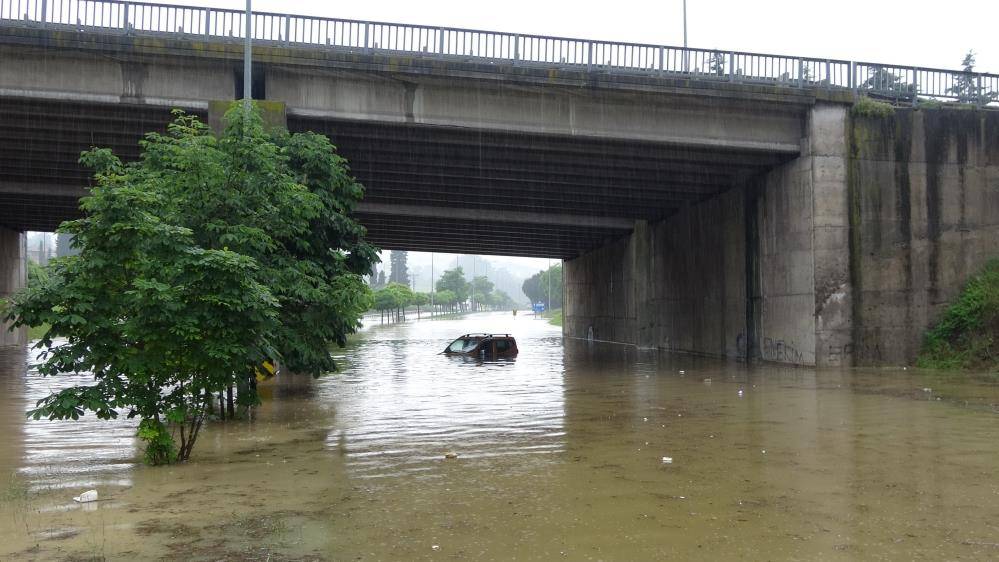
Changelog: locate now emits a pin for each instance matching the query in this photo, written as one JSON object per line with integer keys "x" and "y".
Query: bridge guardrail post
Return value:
{"x": 662, "y": 58}
{"x": 125, "y": 26}
{"x": 978, "y": 91}
{"x": 915, "y": 86}
{"x": 731, "y": 66}
{"x": 828, "y": 75}
{"x": 440, "y": 40}
{"x": 801, "y": 72}
{"x": 589, "y": 55}
{"x": 45, "y": 9}
{"x": 367, "y": 27}
{"x": 516, "y": 48}
{"x": 853, "y": 72}
{"x": 208, "y": 23}
{"x": 287, "y": 30}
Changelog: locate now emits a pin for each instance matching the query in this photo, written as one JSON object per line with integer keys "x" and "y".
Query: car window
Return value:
{"x": 458, "y": 345}
{"x": 502, "y": 345}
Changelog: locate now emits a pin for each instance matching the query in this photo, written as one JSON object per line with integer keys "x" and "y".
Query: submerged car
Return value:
{"x": 489, "y": 345}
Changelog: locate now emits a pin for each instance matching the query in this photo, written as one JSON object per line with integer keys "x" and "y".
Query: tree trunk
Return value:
{"x": 221, "y": 407}
{"x": 229, "y": 404}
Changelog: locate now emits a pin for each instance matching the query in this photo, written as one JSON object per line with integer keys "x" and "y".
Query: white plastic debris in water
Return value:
{"x": 764, "y": 451}
{"x": 708, "y": 381}
{"x": 435, "y": 547}
{"x": 667, "y": 460}
{"x": 740, "y": 393}
{"x": 682, "y": 372}
{"x": 450, "y": 455}
{"x": 927, "y": 390}
{"x": 645, "y": 419}
{"x": 85, "y": 497}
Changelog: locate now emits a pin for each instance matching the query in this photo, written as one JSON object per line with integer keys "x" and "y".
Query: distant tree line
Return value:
{"x": 537, "y": 286}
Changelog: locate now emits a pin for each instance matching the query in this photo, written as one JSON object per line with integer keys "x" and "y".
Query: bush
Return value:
{"x": 966, "y": 337}
{"x": 867, "y": 107}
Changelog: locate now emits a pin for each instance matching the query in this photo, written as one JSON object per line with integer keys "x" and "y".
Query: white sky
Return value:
{"x": 888, "y": 31}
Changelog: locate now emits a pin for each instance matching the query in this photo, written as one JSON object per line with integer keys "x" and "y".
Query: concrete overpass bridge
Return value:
{"x": 702, "y": 198}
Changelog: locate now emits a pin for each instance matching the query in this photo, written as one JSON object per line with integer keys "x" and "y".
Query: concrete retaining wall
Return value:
{"x": 842, "y": 256}
{"x": 13, "y": 276}
{"x": 676, "y": 285}
{"x": 924, "y": 216}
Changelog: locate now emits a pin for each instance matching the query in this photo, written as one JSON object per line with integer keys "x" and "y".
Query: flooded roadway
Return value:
{"x": 560, "y": 456}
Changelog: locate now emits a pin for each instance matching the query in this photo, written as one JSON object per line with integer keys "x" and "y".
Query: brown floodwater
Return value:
{"x": 560, "y": 456}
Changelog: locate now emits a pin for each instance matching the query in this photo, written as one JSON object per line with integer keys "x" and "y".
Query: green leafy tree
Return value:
{"x": 36, "y": 274}
{"x": 966, "y": 86}
{"x": 551, "y": 280}
{"x": 716, "y": 63}
{"x": 482, "y": 289}
{"x": 454, "y": 280}
{"x": 198, "y": 262}
{"x": 882, "y": 83}
{"x": 400, "y": 270}
{"x": 532, "y": 288}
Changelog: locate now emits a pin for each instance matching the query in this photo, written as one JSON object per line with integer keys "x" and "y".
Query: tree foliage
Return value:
{"x": 966, "y": 86}
{"x": 537, "y": 286}
{"x": 198, "y": 262}
{"x": 453, "y": 280}
{"x": 400, "y": 270}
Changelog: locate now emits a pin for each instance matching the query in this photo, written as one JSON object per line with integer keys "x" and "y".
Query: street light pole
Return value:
{"x": 684, "y": 23}
{"x": 686, "y": 61}
{"x": 247, "y": 68}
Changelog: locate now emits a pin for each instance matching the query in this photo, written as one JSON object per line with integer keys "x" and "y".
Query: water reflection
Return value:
{"x": 560, "y": 455}
{"x": 58, "y": 454}
{"x": 401, "y": 403}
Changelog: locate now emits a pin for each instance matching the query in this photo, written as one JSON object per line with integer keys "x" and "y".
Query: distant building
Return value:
{"x": 64, "y": 246}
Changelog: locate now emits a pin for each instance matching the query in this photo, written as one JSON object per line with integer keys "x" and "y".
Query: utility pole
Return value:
{"x": 684, "y": 23}
{"x": 432, "y": 288}
{"x": 548, "y": 307}
{"x": 473, "y": 282}
{"x": 686, "y": 63}
{"x": 247, "y": 68}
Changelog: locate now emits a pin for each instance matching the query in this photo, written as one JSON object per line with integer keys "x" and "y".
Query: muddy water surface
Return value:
{"x": 560, "y": 456}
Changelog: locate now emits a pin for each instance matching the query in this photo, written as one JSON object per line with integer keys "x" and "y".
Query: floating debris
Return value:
{"x": 85, "y": 497}
{"x": 667, "y": 460}
{"x": 450, "y": 455}
{"x": 435, "y": 547}
{"x": 707, "y": 381}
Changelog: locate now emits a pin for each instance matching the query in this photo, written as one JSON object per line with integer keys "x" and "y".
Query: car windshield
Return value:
{"x": 463, "y": 344}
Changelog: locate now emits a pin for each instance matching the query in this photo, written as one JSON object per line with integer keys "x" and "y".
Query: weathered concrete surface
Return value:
{"x": 842, "y": 256}
{"x": 13, "y": 276}
{"x": 804, "y": 300}
{"x": 761, "y": 270}
{"x": 676, "y": 285}
{"x": 394, "y": 96}
{"x": 925, "y": 217}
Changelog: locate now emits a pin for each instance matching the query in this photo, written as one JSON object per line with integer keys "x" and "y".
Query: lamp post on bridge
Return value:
{"x": 247, "y": 68}
{"x": 686, "y": 64}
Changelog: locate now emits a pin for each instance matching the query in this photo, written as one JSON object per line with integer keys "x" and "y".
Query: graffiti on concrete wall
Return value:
{"x": 774, "y": 349}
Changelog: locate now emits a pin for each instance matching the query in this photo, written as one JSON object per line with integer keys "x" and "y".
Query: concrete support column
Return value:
{"x": 828, "y": 145}
{"x": 13, "y": 276}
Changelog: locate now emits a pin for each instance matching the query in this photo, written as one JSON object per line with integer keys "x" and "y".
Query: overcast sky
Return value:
{"x": 904, "y": 33}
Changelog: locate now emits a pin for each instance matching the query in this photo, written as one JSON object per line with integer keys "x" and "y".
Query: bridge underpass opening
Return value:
{"x": 428, "y": 188}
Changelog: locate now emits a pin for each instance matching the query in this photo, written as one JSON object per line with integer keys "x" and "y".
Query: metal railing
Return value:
{"x": 899, "y": 84}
